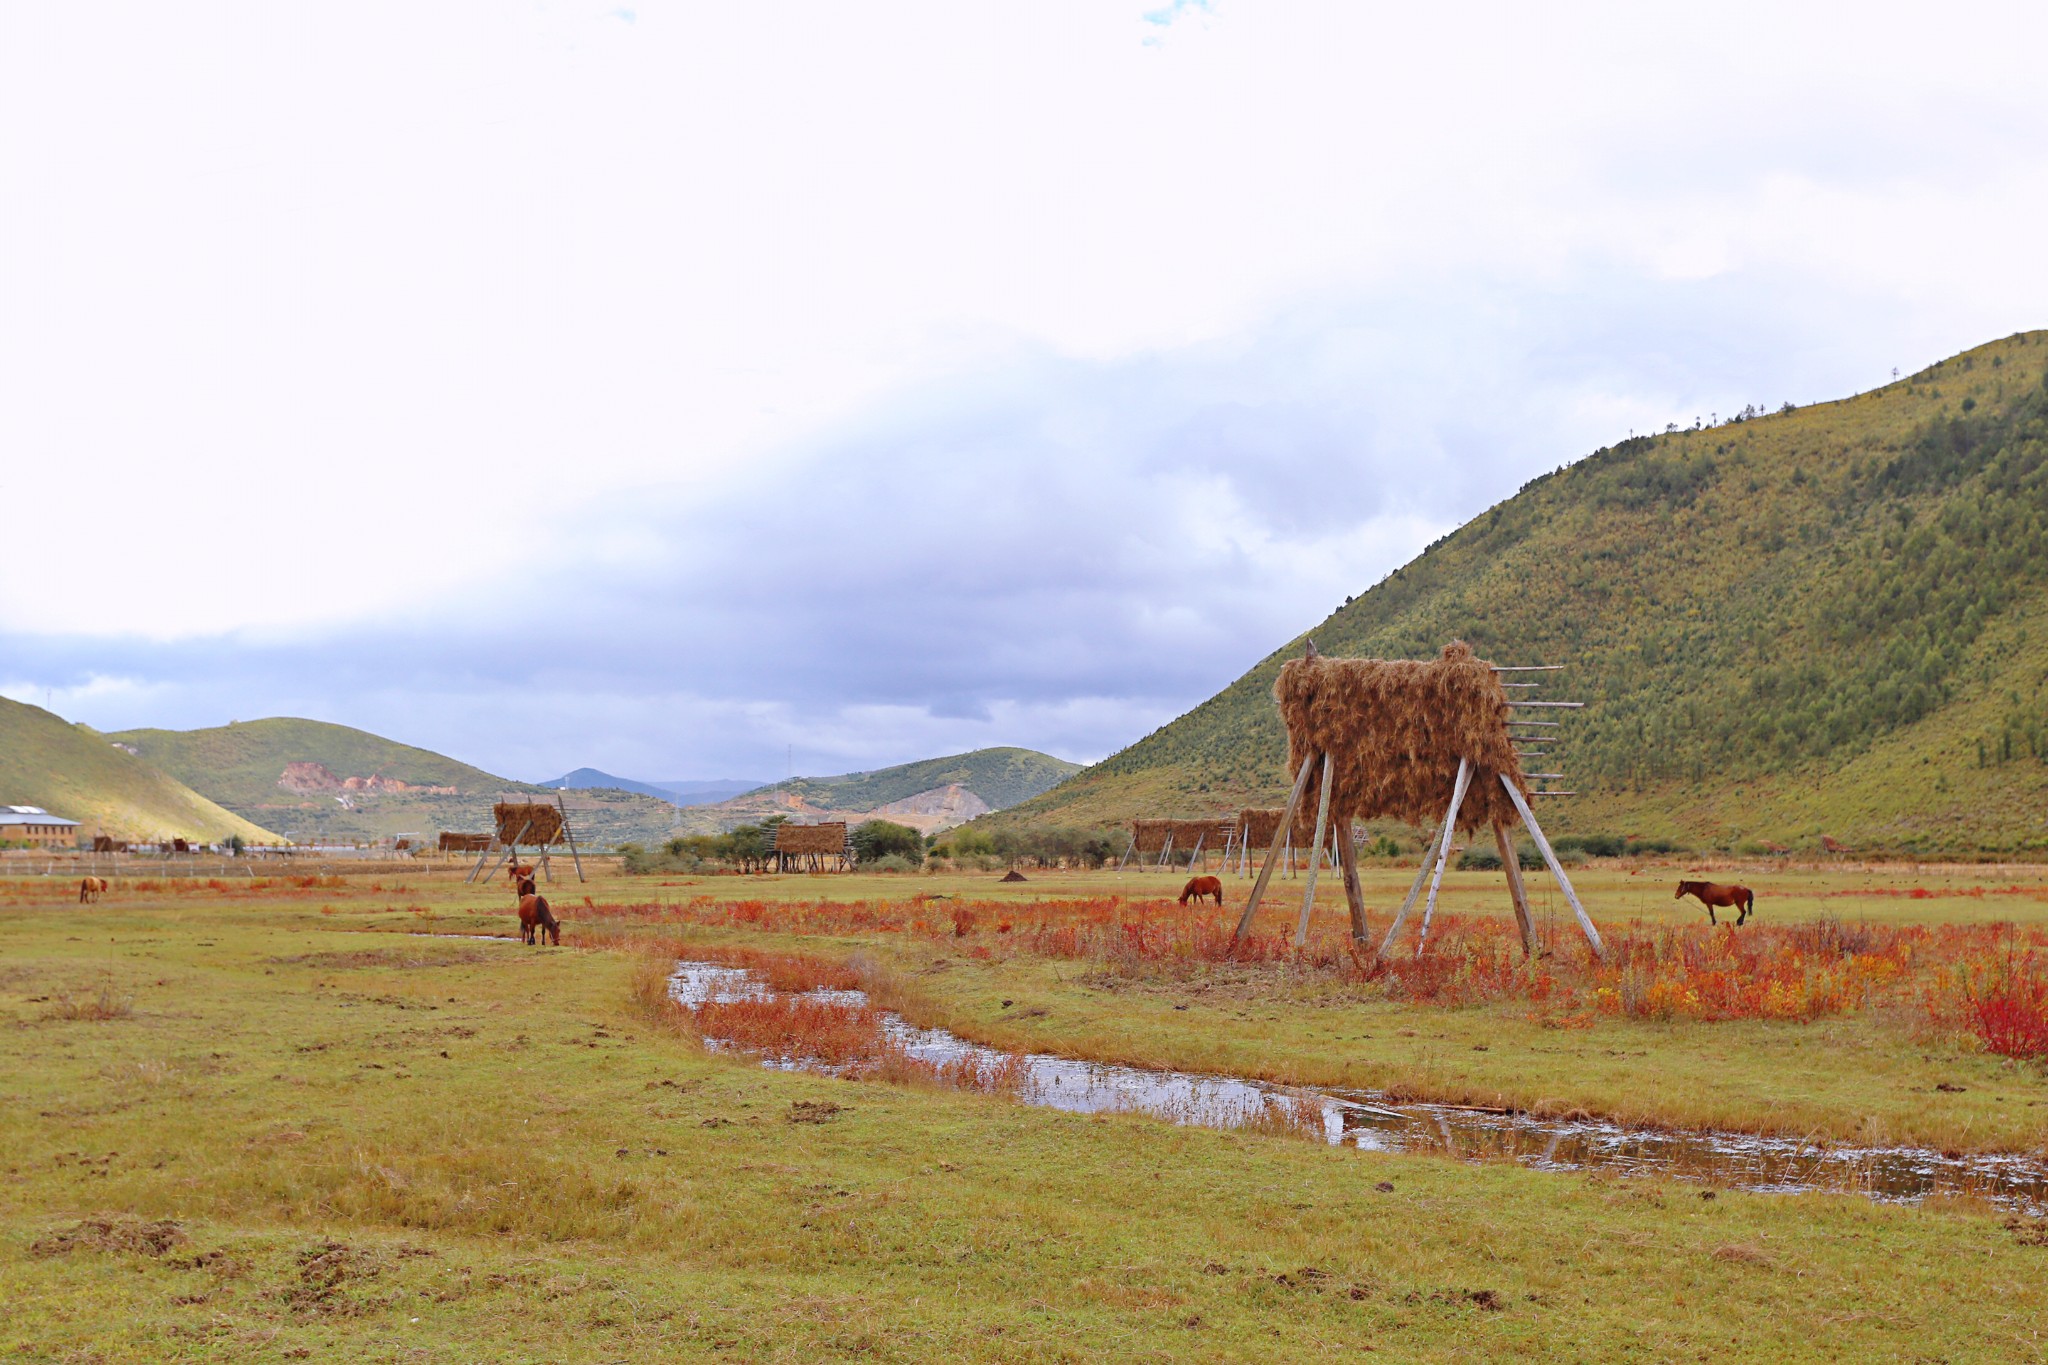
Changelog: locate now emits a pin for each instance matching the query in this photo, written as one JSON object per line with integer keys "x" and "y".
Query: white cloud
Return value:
{"x": 329, "y": 322}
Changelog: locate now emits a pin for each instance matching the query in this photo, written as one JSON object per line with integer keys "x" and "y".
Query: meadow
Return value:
{"x": 285, "y": 1119}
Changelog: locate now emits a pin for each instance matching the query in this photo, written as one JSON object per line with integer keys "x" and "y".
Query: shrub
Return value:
{"x": 876, "y": 840}
{"x": 891, "y": 862}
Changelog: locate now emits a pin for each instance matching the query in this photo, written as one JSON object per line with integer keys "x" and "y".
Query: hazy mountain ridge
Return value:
{"x": 1828, "y": 620}
{"x": 931, "y": 794}
{"x": 316, "y": 781}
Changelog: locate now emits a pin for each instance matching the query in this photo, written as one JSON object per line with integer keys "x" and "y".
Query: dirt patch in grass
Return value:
{"x": 327, "y": 1270}
{"x": 111, "y": 1234}
{"x": 814, "y": 1111}
{"x": 103, "y": 1004}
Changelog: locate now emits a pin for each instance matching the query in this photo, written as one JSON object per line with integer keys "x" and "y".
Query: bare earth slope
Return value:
{"x": 77, "y": 773}
{"x": 316, "y": 781}
{"x": 1824, "y": 622}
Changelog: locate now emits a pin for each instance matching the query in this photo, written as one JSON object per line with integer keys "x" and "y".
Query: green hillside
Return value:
{"x": 1001, "y": 777}
{"x": 316, "y": 781}
{"x": 77, "y": 773}
{"x": 1824, "y": 621}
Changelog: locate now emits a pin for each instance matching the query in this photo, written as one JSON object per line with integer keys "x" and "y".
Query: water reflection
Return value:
{"x": 1365, "y": 1120}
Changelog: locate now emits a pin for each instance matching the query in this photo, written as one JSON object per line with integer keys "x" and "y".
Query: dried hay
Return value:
{"x": 452, "y": 842}
{"x": 1264, "y": 821}
{"x": 1152, "y": 835}
{"x": 829, "y": 839}
{"x": 1397, "y": 728}
{"x": 527, "y": 822}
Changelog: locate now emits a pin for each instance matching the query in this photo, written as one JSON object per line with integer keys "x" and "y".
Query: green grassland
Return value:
{"x": 1832, "y": 621}
{"x": 78, "y": 774}
{"x": 388, "y": 1147}
{"x": 239, "y": 766}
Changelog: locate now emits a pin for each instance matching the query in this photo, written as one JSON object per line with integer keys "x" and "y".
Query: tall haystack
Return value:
{"x": 1399, "y": 728}
{"x": 1423, "y": 741}
{"x": 527, "y": 822}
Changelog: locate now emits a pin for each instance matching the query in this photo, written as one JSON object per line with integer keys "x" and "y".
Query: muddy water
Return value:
{"x": 1362, "y": 1119}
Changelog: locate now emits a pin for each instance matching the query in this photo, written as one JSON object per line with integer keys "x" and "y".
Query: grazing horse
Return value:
{"x": 1712, "y": 894}
{"x": 90, "y": 888}
{"x": 537, "y": 923}
{"x": 1199, "y": 887}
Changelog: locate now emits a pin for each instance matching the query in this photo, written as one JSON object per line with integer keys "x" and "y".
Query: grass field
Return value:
{"x": 257, "y": 1120}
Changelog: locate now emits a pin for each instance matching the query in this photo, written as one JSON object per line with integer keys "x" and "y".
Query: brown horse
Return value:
{"x": 537, "y": 923}
{"x": 1712, "y": 894}
{"x": 90, "y": 889}
{"x": 1199, "y": 887}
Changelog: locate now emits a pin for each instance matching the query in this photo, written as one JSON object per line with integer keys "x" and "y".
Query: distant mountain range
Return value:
{"x": 314, "y": 781}
{"x": 681, "y": 792}
{"x": 1828, "y": 623}
{"x": 933, "y": 794}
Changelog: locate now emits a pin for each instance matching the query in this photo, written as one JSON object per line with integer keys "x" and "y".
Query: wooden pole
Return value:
{"x": 1244, "y": 923}
{"x": 1166, "y": 850}
{"x": 510, "y": 850}
{"x": 1431, "y": 859}
{"x": 1564, "y": 883}
{"x": 1354, "y": 894}
{"x": 1128, "y": 851}
{"x": 1198, "y": 849}
{"x": 1443, "y": 852}
{"x": 1308, "y": 891}
{"x": 1511, "y": 863}
{"x": 574, "y": 856}
{"x": 1408, "y": 902}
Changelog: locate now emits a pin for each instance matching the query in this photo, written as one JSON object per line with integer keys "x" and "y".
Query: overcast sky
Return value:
{"x": 659, "y": 387}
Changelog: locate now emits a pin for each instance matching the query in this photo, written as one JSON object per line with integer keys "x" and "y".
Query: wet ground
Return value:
{"x": 1361, "y": 1119}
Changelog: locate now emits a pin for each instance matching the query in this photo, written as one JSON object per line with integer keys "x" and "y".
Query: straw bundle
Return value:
{"x": 1263, "y": 821}
{"x": 527, "y": 822}
{"x": 1151, "y": 836}
{"x": 452, "y": 842}
{"x": 1210, "y": 832}
{"x": 1396, "y": 729}
{"x": 801, "y": 839}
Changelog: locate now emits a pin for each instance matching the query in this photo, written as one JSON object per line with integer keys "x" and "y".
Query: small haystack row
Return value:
{"x": 522, "y": 820}
{"x": 810, "y": 848}
{"x": 1406, "y": 739}
{"x": 454, "y": 842}
{"x": 1257, "y": 826}
{"x": 1158, "y": 842}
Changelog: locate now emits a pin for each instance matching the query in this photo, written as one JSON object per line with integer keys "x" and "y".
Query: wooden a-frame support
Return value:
{"x": 1432, "y": 869}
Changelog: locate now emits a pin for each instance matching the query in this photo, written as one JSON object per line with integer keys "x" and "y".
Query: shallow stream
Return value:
{"x": 1365, "y": 1120}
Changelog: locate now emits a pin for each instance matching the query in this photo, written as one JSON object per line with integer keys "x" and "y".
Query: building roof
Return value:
{"x": 31, "y": 815}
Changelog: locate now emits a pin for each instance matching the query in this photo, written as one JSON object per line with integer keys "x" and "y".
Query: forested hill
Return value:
{"x": 1824, "y": 621}
{"x": 1000, "y": 777}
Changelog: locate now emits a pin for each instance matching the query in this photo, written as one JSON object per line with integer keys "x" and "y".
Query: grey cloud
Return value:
{"x": 1063, "y": 555}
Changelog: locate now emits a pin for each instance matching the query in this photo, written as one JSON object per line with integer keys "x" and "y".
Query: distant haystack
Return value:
{"x": 527, "y": 822}
{"x": 452, "y": 842}
{"x": 810, "y": 848}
